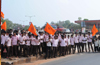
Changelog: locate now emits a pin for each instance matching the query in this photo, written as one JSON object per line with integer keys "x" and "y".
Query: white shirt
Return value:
{"x": 28, "y": 41}
{"x": 8, "y": 41}
{"x": 84, "y": 40}
{"x": 72, "y": 40}
{"x": 55, "y": 42}
{"x": 22, "y": 40}
{"x": 49, "y": 43}
{"x": 69, "y": 41}
{"x": 32, "y": 40}
{"x": 89, "y": 38}
{"x": 96, "y": 43}
{"x": 99, "y": 42}
{"x": 41, "y": 37}
{"x": 66, "y": 41}
{"x": 63, "y": 42}
{"x": 80, "y": 38}
{"x": 76, "y": 39}
{"x": 3, "y": 39}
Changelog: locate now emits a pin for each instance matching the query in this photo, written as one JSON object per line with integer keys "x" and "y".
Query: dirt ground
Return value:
{"x": 44, "y": 61}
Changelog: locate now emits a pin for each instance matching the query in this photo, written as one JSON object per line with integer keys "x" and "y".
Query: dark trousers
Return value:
{"x": 54, "y": 51}
{"x": 37, "y": 50}
{"x": 22, "y": 50}
{"x": 81, "y": 47}
{"x": 62, "y": 51}
{"x": 69, "y": 49}
{"x": 66, "y": 50}
{"x": 99, "y": 49}
{"x": 73, "y": 48}
{"x": 84, "y": 46}
{"x": 48, "y": 52}
{"x": 2, "y": 48}
{"x": 42, "y": 47}
{"x": 78, "y": 47}
{"x": 96, "y": 48}
{"x": 15, "y": 50}
{"x": 4, "y": 53}
{"x": 33, "y": 50}
{"x": 27, "y": 50}
{"x": 9, "y": 51}
{"x": 90, "y": 44}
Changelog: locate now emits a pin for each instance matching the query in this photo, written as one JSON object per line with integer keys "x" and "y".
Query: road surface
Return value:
{"x": 77, "y": 59}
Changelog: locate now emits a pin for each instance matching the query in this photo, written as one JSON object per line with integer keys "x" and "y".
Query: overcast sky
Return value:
{"x": 50, "y": 10}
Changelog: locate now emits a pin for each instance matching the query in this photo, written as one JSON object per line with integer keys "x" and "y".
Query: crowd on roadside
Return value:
{"x": 25, "y": 44}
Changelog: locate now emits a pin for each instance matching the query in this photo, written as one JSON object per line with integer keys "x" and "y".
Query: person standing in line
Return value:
{"x": 41, "y": 37}
{"x": 69, "y": 44}
{"x": 54, "y": 45}
{"x": 22, "y": 40}
{"x": 76, "y": 41}
{"x": 3, "y": 40}
{"x": 44, "y": 44}
{"x": 66, "y": 48}
{"x": 37, "y": 41}
{"x": 80, "y": 43}
{"x": 63, "y": 46}
{"x": 28, "y": 45}
{"x": 48, "y": 49}
{"x": 9, "y": 44}
{"x": 96, "y": 45}
{"x": 84, "y": 41}
{"x": 15, "y": 44}
{"x": 72, "y": 44}
{"x": 89, "y": 37}
{"x": 33, "y": 48}
{"x": 99, "y": 43}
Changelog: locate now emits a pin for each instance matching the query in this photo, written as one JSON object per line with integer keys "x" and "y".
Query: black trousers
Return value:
{"x": 15, "y": 50}
{"x": 9, "y": 51}
{"x": 42, "y": 47}
{"x": 37, "y": 50}
{"x": 84, "y": 46}
{"x": 48, "y": 52}
{"x": 96, "y": 48}
{"x": 73, "y": 48}
{"x": 99, "y": 49}
{"x": 66, "y": 50}
{"x": 62, "y": 51}
{"x": 78, "y": 47}
{"x": 69, "y": 49}
{"x": 4, "y": 53}
{"x": 2, "y": 48}
{"x": 33, "y": 50}
{"x": 54, "y": 51}
{"x": 27, "y": 50}
{"x": 22, "y": 47}
{"x": 90, "y": 44}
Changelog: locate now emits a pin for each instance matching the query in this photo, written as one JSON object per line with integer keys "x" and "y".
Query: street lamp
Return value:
{"x": 29, "y": 17}
{"x": 23, "y": 21}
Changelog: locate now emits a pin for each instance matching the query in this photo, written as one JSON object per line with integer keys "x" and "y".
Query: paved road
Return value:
{"x": 78, "y": 59}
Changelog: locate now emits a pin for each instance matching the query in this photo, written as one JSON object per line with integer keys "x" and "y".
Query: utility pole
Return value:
{"x": 30, "y": 17}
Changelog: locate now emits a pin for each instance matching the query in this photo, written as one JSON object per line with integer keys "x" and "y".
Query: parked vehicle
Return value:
{"x": 68, "y": 31}
{"x": 61, "y": 29}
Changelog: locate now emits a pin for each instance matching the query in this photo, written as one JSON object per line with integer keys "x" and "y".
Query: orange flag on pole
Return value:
{"x": 2, "y": 15}
{"x": 32, "y": 29}
{"x": 4, "y": 26}
{"x": 94, "y": 30}
{"x": 49, "y": 29}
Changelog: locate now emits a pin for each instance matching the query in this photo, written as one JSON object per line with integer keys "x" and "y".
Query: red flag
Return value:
{"x": 2, "y": 15}
{"x": 4, "y": 26}
{"x": 32, "y": 29}
{"x": 94, "y": 30}
{"x": 49, "y": 29}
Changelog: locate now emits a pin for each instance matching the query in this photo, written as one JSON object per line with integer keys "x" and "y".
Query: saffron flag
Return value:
{"x": 32, "y": 29}
{"x": 94, "y": 30}
{"x": 49, "y": 29}
{"x": 4, "y": 26}
{"x": 2, "y": 15}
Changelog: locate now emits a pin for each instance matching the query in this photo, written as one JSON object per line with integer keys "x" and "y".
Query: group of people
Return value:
{"x": 25, "y": 44}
